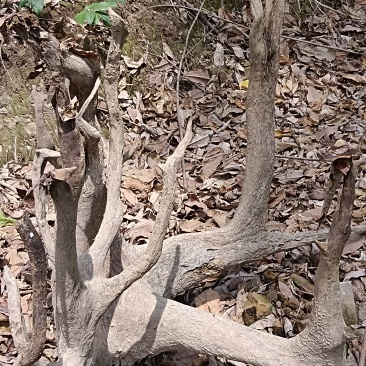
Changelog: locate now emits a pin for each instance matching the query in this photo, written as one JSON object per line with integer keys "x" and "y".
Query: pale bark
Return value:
{"x": 104, "y": 314}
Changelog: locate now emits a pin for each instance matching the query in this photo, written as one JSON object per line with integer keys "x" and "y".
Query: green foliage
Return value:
{"x": 35, "y": 5}
{"x": 92, "y": 14}
{"x": 96, "y": 12}
{"x": 6, "y": 221}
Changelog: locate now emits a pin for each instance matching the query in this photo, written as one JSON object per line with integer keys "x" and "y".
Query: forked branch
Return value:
{"x": 113, "y": 287}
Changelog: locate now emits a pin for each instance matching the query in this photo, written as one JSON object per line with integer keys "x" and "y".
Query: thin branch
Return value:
{"x": 113, "y": 212}
{"x": 89, "y": 99}
{"x": 179, "y": 112}
{"x": 16, "y": 318}
{"x": 298, "y": 158}
{"x": 113, "y": 287}
{"x": 206, "y": 12}
{"x": 362, "y": 361}
{"x": 38, "y": 261}
{"x": 40, "y": 196}
{"x": 322, "y": 45}
{"x": 89, "y": 131}
{"x": 328, "y": 7}
{"x": 44, "y": 138}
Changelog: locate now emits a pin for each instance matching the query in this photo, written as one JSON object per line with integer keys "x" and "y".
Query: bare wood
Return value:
{"x": 32, "y": 350}
{"x": 177, "y": 90}
{"x": 88, "y": 130}
{"x": 40, "y": 196}
{"x": 113, "y": 212}
{"x": 44, "y": 138}
{"x": 362, "y": 360}
{"x": 16, "y": 318}
{"x": 113, "y": 287}
{"x": 264, "y": 48}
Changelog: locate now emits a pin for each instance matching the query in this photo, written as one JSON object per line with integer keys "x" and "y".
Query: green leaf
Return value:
{"x": 103, "y": 6}
{"x": 105, "y": 18}
{"x": 23, "y": 3}
{"x": 90, "y": 17}
{"x": 6, "y": 221}
{"x": 122, "y": 1}
{"x": 85, "y": 16}
{"x": 36, "y": 6}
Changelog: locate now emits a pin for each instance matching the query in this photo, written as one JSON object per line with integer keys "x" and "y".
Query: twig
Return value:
{"x": 298, "y": 158}
{"x": 245, "y": 27}
{"x": 204, "y": 11}
{"x": 328, "y": 7}
{"x": 204, "y": 20}
{"x": 87, "y": 129}
{"x": 179, "y": 114}
{"x": 363, "y": 350}
{"x": 322, "y": 45}
{"x": 89, "y": 99}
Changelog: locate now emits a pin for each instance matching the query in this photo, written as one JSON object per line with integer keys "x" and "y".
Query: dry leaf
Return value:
{"x": 303, "y": 283}
{"x": 209, "y": 301}
{"x": 63, "y": 174}
{"x": 198, "y": 76}
{"x": 219, "y": 55}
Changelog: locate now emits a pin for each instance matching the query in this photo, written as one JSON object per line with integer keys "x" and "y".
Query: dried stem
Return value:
{"x": 113, "y": 212}
{"x": 179, "y": 112}
{"x": 114, "y": 286}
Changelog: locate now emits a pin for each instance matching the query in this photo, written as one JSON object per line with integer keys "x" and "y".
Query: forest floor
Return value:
{"x": 320, "y": 100}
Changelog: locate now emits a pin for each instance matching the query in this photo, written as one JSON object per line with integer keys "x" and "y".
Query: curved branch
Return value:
{"x": 113, "y": 287}
{"x": 188, "y": 259}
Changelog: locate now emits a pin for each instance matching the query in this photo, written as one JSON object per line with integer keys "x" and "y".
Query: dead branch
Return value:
{"x": 113, "y": 212}
{"x": 32, "y": 350}
{"x": 362, "y": 360}
{"x": 90, "y": 132}
{"x": 177, "y": 90}
{"x": 41, "y": 157}
{"x": 16, "y": 318}
{"x": 44, "y": 138}
{"x": 113, "y": 287}
{"x": 188, "y": 259}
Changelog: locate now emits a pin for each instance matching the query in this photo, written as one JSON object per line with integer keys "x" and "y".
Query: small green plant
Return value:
{"x": 35, "y": 5}
{"x": 96, "y": 12}
{"x": 6, "y": 221}
{"x": 92, "y": 14}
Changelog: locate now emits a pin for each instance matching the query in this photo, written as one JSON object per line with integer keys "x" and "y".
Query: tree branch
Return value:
{"x": 32, "y": 350}
{"x": 40, "y": 196}
{"x": 16, "y": 318}
{"x": 113, "y": 212}
{"x": 251, "y": 214}
{"x": 113, "y": 287}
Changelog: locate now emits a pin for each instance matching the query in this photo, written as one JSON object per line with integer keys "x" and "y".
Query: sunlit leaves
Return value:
{"x": 35, "y": 5}
{"x": 97, "y": 12}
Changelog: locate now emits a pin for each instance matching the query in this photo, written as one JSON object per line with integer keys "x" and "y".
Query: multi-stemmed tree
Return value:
{"x": 112, "y": 301}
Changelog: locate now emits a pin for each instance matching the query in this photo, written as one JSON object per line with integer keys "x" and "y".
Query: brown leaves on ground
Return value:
{"x": 320, "y": 99}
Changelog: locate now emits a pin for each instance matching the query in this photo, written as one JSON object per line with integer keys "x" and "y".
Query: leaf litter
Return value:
{"x": 320, "y": 99}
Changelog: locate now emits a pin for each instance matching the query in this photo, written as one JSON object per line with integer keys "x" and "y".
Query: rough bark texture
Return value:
{"x": 107, "y": 315}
